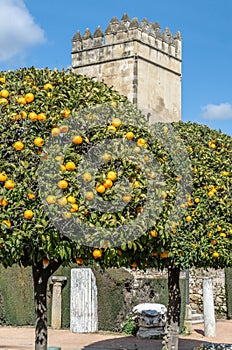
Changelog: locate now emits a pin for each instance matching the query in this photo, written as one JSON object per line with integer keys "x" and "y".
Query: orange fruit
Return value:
{"x": 190, "y": 203}
{"x": 133, "y": 264}
{"x": 215, "y": 255}
{"x": 111, "y": 128}
{"x": 41, "y": 117}
{"x": 119, "y": 252}
{"x": 97, "y": 253}
{"x": 116, "y": 122}
{"x": 62, "y": 184}
{"x": 70, "y": 166}
{"x": 89, "y": 195}
{"x": 64, "y": 129}
{"x": 18, "y": 145}
{"x": 29, "y": 97}
{"x": 9, "y": 184}
{"x": 45, "y": 261}
{"x": 38, "y": 141}
{"x": 214, "y": 242}
{"x": 87, "y": 177}
{"x": 108, "y": 183}
{"x": 112, "y": 175}
{"x": 126, "y": 198}
{"x": 141, "y": 142}
{"x": 3, "y": 101}
{"x": 74, "y": 207}
{"x": 2, "y": 80}
{"x": 3, "y": 177}
{"x": 31, "y": 195}
{"x": 33, "y": 116}
{"x": 197, "y": 200}
{"x": 211, "y": 193}
{"x": 21, "y": 100}
{"x": 62, "y": 168}
{"x": 79, "y": 261}
{"x": 67, "y": 215}
{"x": 6, "y": 222}
{"x": 55, "y": 132}
{"x": 155, "y": 254}
{"x": 222, "y": 234}
{"x": 136, "y": 184}
{"x": 130, "y": 135}
{"x": 188, "y": 218}
{"x": 62, "y": 201}
{"x": 28, "y": 214}
{"x": 4, "y": 93}
{"x": 71, "y": 199}
{"x": 100, "y": 188}
{"x": 164, "y": 255}
{"x": 66, "y": 113}
{"x": 164, "y": 195}
{"x": 106, "y": 157}
{"x": 51, "y": 199}
{"x": 3, "y": 202}
{"x": 48, "y": 86}
{"x": 153, "y": 233}
{"x": 77, "y": 140}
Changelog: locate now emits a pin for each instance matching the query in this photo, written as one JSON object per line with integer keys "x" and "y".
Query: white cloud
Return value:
{"x": 219, "y": 112}
{"x": 18, "y": 30}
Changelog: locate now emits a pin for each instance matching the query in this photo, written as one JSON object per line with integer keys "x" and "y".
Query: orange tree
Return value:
{"x": 84, "y": 179}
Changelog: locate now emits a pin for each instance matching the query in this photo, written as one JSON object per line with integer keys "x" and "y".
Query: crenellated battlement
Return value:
{"x": 126, "y": 30}
{"x": 139, "y": 60}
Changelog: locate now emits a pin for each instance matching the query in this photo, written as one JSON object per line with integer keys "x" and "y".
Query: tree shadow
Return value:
{"x": 134, "y": 343}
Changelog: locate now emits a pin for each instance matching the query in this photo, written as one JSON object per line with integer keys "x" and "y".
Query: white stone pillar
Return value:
{"x": 83, "y": 301}
{"x": 57, "y": 281}
{"x": 208, "y": 305}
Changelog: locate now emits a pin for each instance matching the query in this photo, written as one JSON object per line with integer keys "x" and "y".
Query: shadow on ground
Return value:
{"x": 133, "y": 343}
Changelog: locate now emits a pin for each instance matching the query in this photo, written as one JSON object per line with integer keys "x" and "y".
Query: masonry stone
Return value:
{"x": 138, "y": 61}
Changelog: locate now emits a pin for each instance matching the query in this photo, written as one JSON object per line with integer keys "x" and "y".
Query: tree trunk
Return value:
{"x": 40, "y": 278}
{"x": 174, "y": 304}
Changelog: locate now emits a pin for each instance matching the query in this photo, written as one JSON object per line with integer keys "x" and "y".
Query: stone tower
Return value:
{"x": 138, "y": 60}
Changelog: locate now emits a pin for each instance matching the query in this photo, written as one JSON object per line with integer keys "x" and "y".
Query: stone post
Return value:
{"x": 208, "y": 305}
{"x": 57, "y": 282}
{"x": 83, "y": 301}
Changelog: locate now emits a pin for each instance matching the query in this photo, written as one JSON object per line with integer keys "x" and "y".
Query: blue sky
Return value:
{"x": 39, "y": 33}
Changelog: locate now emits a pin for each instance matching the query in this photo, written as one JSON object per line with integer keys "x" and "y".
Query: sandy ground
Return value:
{"x": 23, "y": 338}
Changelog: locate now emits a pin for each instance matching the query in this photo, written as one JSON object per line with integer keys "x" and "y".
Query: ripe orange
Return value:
{"x": 74, "y": 208}
{"x": 28, "y": 214}
{"x": 164, "y": 255}
{"x": 126, "y": 198}
{"x": 111, "y": 128}
{"x": 62, "y": 168}
{"x": 71, "y": 199}
{"x": 211, "y": 193}
{"x": 3, "y": 202}
{"x": 9, "y": 184}
{"x": 42, "y": 117}
{"x": 77, "y": 140}
{"x": 67, "y": 215}
{"x": 55, "y": 132}
{"x": 222, "y": 234}
{"x": 136, "y": 184}
{"x": 79, "y": 261}
{"x": 4, "y": 93}
{"x": 100, "y": 188}
{"x": 97, "y": 253}
{"x": 51, "y": 199}
{"x": 87, "y": 177}
{"x": 130, "y": 135}
{"x": 62, "y": 201}
{"x": 3, "y": 101}
{"x": 153, "y": 233}
{"x": 188, "y": 218}
{"x": 119, "y": 252}
{"x": 197, "y": 200}
{"x": 31, "y": 195}
{"x": 48, "y": 86}
{"x": 214, "y": 242}
{"x": 64, "y": 129}
{"x": 134, "y": 264}
{"x": 89, "y": 195}
{"x": 6, "y": 222}
{"x": 62, "y": 184}
{"x": 141, "y": 142}
{"x": 66, "y": 113}
{"x": 21, "y": 100}
{"x": 29, "y": 97}
{"x": 38, "y": 141}
{"x": 215, "y": 255}
{"x": 33, "y": 116}
{"x": 3, "y": 177}
{"x": 108, "y": 183}
{"x": 155, "y": 253}
{"x": 3, "y": 79}
{"x": 190, "y": 203}
{"x": 70, "y": 166}
{"x": 18, "y": 146}
{"x": 116, "y": 122}
{"x": 45, "y": 261}
{"x": 112, "y": 175}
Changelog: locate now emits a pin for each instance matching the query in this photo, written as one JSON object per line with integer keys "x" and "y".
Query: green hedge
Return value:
{"x": 228, "y": 277}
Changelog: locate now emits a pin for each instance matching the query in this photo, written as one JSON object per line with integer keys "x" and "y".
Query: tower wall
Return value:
{"x": 138, "y": 61}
